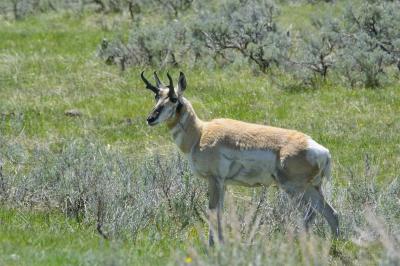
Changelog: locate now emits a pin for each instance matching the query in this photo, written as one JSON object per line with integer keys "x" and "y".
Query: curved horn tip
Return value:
{"x": 148, "y": 84}
{"x": 170, "y": 79}
{"x": 143, "y": 78}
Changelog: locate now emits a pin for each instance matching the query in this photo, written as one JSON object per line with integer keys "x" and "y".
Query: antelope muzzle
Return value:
{"x": 152, "y": 118}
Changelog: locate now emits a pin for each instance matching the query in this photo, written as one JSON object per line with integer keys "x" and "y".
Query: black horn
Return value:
{"x": 148, "y": 84}
{"x": 171, "y": 93}
{"x": 158, "y": 81}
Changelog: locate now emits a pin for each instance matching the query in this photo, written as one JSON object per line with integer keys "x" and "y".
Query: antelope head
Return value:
{"x": 168, "y": 98}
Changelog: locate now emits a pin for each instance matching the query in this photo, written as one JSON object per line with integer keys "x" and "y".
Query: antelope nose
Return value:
{"x": 151, "y": 119}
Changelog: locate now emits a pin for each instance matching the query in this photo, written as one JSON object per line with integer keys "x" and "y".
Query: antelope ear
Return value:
{"x": 181, "y": 83}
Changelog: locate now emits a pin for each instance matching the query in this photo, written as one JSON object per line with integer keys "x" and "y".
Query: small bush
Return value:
{"x": 369, "y": 40}
{"x": 314, "y": 56}
{"x": 172, "y": 7}
{"x": 247, "y": 29}
{"x": 166, "y": 45}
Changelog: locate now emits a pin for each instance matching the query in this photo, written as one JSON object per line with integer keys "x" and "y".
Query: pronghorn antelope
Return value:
{"x": 226, "y": 151}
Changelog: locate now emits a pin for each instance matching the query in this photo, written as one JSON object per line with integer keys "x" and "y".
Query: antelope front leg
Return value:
{"x": 216, "y": 201}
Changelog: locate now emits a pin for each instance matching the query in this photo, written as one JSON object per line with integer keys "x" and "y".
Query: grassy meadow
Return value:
{"x": 151, "y": 208}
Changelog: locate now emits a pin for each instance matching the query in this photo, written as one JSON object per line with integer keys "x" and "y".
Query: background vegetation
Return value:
{"x": 84, "y": 181}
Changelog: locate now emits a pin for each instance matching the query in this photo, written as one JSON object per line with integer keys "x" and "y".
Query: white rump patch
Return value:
{"x": 318, "y": 155}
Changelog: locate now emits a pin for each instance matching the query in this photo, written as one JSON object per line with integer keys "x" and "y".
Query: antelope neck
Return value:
{"x": 185, "y": 126}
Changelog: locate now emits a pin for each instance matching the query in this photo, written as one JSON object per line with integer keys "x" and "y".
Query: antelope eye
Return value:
{"x": 174, "y": 100}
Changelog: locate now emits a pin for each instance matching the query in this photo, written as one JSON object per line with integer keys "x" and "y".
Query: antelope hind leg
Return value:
{"x": 314, "y": 196}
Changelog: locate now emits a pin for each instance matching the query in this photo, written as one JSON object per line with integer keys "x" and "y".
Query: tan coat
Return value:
{"x": 245, "y": 153}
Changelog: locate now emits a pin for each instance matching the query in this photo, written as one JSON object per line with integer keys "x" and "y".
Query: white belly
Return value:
{"x": 248, "y": 168}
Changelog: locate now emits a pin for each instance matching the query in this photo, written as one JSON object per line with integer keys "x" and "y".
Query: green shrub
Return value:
{"x": 167, "y": 45}
{"x": 171, "y": 7}
{"x": 246, "y": 29}
{"x": 370, "y": 41}
{"x": 314, "y": 55}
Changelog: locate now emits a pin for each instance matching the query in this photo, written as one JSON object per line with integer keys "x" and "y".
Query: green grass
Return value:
{"x": 49, "y": 238}
{"x": 48, "y": 65}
